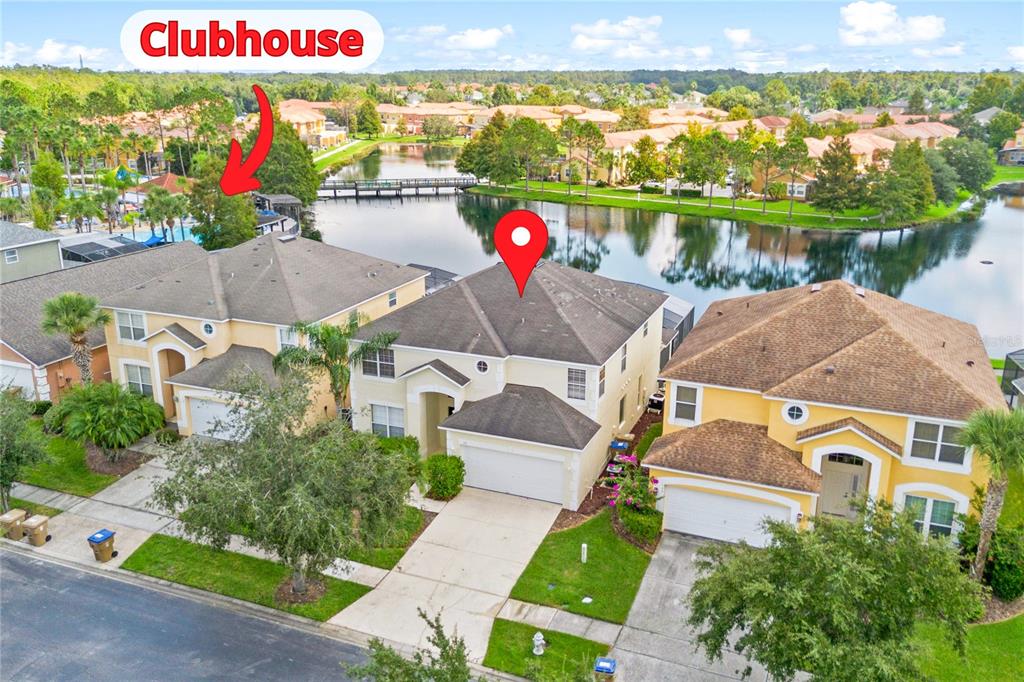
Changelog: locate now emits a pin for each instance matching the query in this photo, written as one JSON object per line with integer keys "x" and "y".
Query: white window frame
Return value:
{"x": 789, "y": 419}
{"x": 482, "y": 367}
{"x": 213, "y": 329}
{"x": 697, "y": 409}
{"x": 284, "y": 336}
{"x": 128, "y": 366}
{"x": 929, "y": 508}
{"x": 132, "y": 340}
{"x": 623, "y": 357}
{"x": 375, "y": 361}
{"x": 8, "y": 253}
{"x": 646, "y": 325}
{"x": 572, "y": 381}
{"x": 388, "y": 427}
{"x": 622, "y": 410}
{"x": 392, "y": 299}
{"x": 934, "y": 464}
{"x": 600, "y": 381}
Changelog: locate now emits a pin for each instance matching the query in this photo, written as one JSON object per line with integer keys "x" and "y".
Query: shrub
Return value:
{"x": 634, "y": 489}
{"x": 776, "y": 190}
{"x": 642, "y": 525}
{"x": 601, "y": 183}
{"x": 40, "y": 407}
{"x": 687, "y": 193}
{"x": 167, "y": 436}
{"x": 445, "y": 474}
{"x": 1006, "y": 572}
{"x": 53, "y": 420}
{"x": 110, "y": 416}
{"x": 408, "y": 447}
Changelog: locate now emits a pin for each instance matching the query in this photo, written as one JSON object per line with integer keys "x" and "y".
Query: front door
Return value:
{"x": 844, "y": 478}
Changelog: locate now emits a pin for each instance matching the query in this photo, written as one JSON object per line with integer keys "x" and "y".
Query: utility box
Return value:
{"x": 11, "y": 523}
{"x": 35, "y": 528}
{"x": 102, "y": 543}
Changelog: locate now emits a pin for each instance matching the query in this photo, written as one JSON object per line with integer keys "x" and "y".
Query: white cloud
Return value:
{"x": 1016, "y": 53}
{"x": 418, "y": 34}
{"x": 806, "y": 47}
{"x": 954, "y": 50}
{"x": 878, "y": 23}
{"x": 52, "y": 53}
{"x": 760, "y": 60}
{"x": 738, "y": 37}
{"x": 633, "y": 38}
{"x": 478, "y": 38}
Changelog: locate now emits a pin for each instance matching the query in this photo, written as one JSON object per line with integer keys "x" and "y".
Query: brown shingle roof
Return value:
{"x": 849, "y": 422}
{"x": 734, "y": 450}
{"x": 841, "y": 345}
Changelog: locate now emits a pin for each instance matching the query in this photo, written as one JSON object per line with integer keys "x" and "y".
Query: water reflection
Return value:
{"x": 699, "y": 259}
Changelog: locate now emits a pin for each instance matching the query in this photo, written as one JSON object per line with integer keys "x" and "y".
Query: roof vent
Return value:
{"x": 970, "y": 363}
{"x": 718, "y": 312}
{"x": 286, "y": 238}
{"x": 814, "y": 288}
{"x": 859, "y": 291}
{"x": 831, "y": 369}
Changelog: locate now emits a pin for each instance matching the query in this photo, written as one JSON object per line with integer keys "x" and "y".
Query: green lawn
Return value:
{"x": 1013, "y": 503}
{"x": 388, "y": 556}
{"x": 998, "y": 363}
{"x": 645, "y": 440}
{"x": 234, "y": 575}
{"x": 994, "y": 652}
{"x": 721, "y": 208}
{"x": 611, "y": 576}
{"x": 510, "y": 650}
{"x": 1007, "y": 174}
{"x": 33, "y": 508}
{"x": 66, "y": 469}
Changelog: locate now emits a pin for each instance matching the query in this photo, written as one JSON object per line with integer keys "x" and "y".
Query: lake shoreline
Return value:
{"x": 690, "y": 208}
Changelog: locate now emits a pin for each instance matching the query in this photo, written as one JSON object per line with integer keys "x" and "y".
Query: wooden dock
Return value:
{"x": 397, "y": 186}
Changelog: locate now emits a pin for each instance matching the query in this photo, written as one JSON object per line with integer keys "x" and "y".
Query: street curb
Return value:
{"x": 265, "y": 613}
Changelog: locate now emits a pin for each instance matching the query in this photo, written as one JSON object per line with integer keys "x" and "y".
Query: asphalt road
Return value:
{"x": 61, "y": 623}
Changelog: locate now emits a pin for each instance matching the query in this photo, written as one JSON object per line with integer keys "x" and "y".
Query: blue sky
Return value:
{"x": 753, "y": 36}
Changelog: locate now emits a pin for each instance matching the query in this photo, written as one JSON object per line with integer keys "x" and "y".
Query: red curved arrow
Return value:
{"x": 238, "y": 176}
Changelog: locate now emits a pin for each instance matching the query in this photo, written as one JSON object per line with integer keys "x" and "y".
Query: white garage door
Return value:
{"x": 205, "y": 414}
{"x": 17, "y": 376}
{"x": 506, "y": 472}
{"x": 717, "y": 516}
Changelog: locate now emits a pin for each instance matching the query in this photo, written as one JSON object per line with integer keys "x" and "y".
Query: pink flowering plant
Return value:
{"x": 634, "y": 488}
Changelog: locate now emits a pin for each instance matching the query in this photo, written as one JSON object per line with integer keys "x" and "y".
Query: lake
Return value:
{"x": 971, "y": 271}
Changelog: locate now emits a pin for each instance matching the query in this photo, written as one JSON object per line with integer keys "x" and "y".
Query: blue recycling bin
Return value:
{"x": 102, "y": 543}
{"x": 605, "y": 666}
{"x": 620, "y": 445}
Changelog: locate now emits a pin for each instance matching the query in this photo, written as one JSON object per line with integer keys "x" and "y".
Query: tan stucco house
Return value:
{"x": 183, "y": 335}
{"x": 528, "y": 391}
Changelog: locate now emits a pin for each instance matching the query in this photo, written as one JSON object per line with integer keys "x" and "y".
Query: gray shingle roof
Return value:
{"x": 216, "y": 373}
{"x": 21, "y": 301}
{"x": 184, "y": 335}
{"x": 526, "y": 413}
{"x": 13, "y": 234}
{"x": 565, "y": 314}
{"x": 443, "y": 368}
{"x": 268, "y": 280}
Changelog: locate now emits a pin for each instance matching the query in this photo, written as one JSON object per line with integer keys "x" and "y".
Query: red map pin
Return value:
{"x": 521, "y": 237}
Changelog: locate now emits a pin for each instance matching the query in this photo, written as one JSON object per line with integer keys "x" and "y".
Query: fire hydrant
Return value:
{"x": 538, "y": 644}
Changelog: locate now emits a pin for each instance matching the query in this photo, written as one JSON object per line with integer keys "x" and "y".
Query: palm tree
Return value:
{"x": 998, "y": 437}
{"x": 108, "y": 198}
{"x": 81, "y": 206}
{"x": 329, "y": 350}
{"x": 74, "y": 315}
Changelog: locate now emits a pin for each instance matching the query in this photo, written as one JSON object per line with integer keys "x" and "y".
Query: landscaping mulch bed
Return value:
{"x": 996, "y": 609}
{"x": 314, "y": 590}
{"x": 129, "y": 461}
{"x": 646, "y": 421}
{"x": 624, "y": 533}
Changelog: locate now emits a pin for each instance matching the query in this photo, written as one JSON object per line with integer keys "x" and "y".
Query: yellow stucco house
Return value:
{"x": 183, "y": 335}
{"x": 528, "y": 391}
{"x": 794, "y": 403}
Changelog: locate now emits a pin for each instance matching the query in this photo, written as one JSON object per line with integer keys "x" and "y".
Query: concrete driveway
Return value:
{"x": 656, "y": 643}
{"x": 464, "y": 566}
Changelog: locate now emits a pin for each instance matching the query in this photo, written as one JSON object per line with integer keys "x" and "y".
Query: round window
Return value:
{"x": 794, "y": 413}
{"x": 481, "y": 367}
{"x": 208, "y": 328}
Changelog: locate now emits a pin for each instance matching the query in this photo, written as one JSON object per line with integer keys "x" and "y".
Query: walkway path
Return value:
{"x": 463, "y": 566}
{"x": 332, "y": 152}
